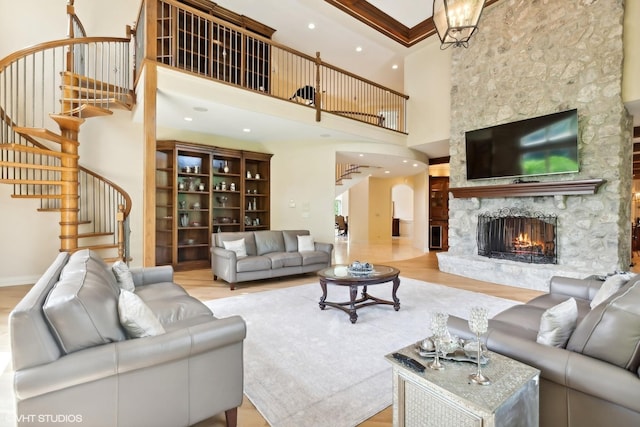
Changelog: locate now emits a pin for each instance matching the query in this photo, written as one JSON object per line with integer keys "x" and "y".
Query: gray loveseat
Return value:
{"x": 74, "y": 361}
{"x": 594, "y": 380}
{"x": 269, "y": 253}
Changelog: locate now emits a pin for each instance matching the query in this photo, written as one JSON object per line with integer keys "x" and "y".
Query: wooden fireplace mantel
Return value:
{"x": 529, "y": 189}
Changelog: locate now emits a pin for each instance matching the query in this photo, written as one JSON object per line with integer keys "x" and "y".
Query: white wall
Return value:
{"x": 110, "y": 145}
{"x": 402, "y": 198}
{"x": 427, "y": 79}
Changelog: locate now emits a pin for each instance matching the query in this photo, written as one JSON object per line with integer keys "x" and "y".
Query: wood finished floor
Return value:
{"x": 411, "y": 262}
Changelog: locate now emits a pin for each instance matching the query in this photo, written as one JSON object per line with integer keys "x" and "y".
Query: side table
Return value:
{"x": 447, "y": 398}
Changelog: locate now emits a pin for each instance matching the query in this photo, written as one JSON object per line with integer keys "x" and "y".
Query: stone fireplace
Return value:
{"x": 531, "y": 58}
{"x": 517, "y": 236}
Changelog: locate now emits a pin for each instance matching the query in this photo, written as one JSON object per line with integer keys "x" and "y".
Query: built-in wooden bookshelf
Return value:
{"x": 201, "y": 190}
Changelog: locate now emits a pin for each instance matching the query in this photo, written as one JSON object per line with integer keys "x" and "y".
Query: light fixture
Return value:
{"x": 359, "y": 49}
{"x": 311, "y": 26}
{"x": 188, "y": 119}
{"x": 456, "y": 20}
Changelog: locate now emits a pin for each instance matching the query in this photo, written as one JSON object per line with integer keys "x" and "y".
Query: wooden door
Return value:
{"x": 438, "y": 212}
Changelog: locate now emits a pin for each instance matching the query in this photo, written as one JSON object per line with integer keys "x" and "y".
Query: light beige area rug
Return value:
{"x": 313, "y": 368}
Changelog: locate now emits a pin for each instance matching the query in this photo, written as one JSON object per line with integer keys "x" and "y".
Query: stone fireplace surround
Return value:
{"x": 528, "y": 59}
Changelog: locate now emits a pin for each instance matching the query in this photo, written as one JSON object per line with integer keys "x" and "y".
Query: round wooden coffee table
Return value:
{"x": 339, "y": 275}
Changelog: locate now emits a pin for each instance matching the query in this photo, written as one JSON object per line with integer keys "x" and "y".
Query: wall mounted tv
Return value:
{"x": 537, "y": 146}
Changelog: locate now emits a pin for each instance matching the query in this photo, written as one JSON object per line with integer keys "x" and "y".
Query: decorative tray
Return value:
{"x": 360, "y": 268}
{"x": 458, "y": 355}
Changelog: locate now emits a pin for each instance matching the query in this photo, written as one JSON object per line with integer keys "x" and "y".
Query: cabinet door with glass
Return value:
{"x": 193, "y": 185}
{"x": 257, "y": 191}
{"x": 165, "y": 225}
{"x": 227, "y": 186}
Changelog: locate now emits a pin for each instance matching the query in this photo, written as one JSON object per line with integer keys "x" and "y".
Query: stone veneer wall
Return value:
{"x": 531, "y": 58}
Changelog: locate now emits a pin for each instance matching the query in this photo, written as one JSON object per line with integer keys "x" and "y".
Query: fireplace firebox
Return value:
{"x": 518, "y": 235}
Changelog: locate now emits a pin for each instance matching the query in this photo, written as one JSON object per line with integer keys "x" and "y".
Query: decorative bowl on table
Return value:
{"x": 195, "y": 224}
{"x": 223, "y": 219}
{"x": 190, "y": 241}
{"x": 360, "y": 268}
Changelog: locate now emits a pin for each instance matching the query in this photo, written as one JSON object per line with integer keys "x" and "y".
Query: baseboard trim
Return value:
{"x": 18, "y": 280}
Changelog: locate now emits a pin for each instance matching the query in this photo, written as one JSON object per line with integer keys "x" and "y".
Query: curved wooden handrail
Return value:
{"x": 125, "y": 195}
{"x": 12, "y": 57}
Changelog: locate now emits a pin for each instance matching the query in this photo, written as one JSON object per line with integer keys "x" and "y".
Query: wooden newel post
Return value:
{"x": 120, "y": 219}
{"x": 318, "y": 97}
{"x": 69, "y": 129}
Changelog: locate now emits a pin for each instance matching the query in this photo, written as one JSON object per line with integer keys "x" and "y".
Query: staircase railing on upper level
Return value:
{"x": 196, "y": 42}
{"x": 35, "y": 84}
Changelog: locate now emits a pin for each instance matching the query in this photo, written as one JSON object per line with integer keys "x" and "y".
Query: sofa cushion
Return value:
{"x": 161, "y": 290}
{"x": 291, "y": 239}
{"x": 557, "y": 323}
{"x": 123, "y": 276}
{"x": 522, "y": 315}
{"x": 177, "y": 308}
{"x": 253, "y": 263}
{"x": 284, "y": 259}
{"x": 611, "y": 285}
{"x": 611, "y": 331}
{"x": 315, "y": 257}
{"x": 269, "y": 241}
{"x": 237, "y": 246}
{"x": 136, "y": 317}
{"x": 82, "y": 308}
{"x": 248, "y": 236}
{"x": 306, "y": 244}
{"x": 546, "y": 301}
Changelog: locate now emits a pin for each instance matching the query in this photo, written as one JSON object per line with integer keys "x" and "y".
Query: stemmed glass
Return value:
{"x": 440, "y": 332}
{"x": 478, "y": 324}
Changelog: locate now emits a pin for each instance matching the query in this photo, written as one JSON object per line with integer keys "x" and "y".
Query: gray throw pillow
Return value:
{"x": 557, "y": 323}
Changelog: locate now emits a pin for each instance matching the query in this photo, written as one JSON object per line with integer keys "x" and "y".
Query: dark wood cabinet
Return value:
{"x": 201, "y": 190}
{"x": 438, "y": 212}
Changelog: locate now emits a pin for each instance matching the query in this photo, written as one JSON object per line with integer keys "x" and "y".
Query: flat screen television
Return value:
{"x": 537, "y": 146}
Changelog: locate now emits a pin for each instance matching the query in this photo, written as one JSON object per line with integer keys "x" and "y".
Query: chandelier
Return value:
{"x": 456, "y": 20}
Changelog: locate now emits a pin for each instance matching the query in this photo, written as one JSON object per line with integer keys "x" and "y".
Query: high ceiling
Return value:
{"x": 336, "y": 36}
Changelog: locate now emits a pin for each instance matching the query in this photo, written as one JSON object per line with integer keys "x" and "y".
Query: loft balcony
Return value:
{"x": 204, "y": 59}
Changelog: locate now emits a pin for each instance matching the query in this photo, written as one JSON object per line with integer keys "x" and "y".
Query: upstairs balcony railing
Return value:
{"x": 200, "y": 43}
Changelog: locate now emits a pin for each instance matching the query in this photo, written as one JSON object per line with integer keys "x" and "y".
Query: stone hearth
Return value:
{"x": 530, "y": 59}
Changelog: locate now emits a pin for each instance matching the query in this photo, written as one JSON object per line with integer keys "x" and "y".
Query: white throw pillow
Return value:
{"x": 610, "y": 286}
{"x": 123, "y": 276}
{"x": 306, "y": 243}
{"x": 557, "y": 324}
{"x": 136, "y": 316}
{"x": 236, "y": 246}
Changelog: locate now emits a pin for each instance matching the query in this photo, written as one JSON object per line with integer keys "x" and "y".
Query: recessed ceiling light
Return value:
{"x": 188, "y": 119}
{"x": 359, "y": 49}
{"x": 361, "y": 155}
{"x": 415, "y": 165}
{"x": 247, "y": 130}
{"x": 200, "y": 109}
{"x": 405, "y": 161}
{"x": 311, "y": 26}
{"x": 394, "y": 66}
{"x": 387, "y": 171}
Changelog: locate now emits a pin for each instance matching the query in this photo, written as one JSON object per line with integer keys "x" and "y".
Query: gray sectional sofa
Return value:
{"x": 74, "y": 360}
{"x": 269, "y": 253}
{"x": 591, "y": 382}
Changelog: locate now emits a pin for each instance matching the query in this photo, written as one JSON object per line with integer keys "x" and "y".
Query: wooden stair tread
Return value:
{"x": 88, "y": 82}
{"x": 87, "y": 110}
{"x": 88, "y": 235}
{"x": 35, "y": 166}
{"x": 36, "y": 150}
{"x": 36, "y": 196}
{"x": 30, "y": 181}
{"x": 102, "y": 103}
{"x": 97, "y": 247}
{"x": 44, "y": 134}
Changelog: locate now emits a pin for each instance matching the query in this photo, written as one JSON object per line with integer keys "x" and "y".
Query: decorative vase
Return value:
{"x": 184, "y": 220}
{"x": 226, "y": 167}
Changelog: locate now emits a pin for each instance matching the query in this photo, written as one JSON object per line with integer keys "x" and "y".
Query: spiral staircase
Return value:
{"x": 39, "y": 126}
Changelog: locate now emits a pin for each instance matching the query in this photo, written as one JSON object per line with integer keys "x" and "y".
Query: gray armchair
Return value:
{"x": 72, "y": 358}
